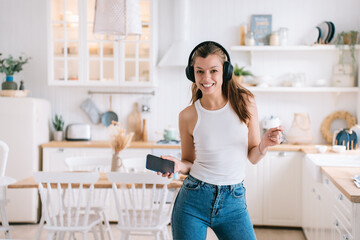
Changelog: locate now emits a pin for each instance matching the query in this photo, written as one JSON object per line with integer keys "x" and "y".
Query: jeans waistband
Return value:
{"x": 202, "y": 183}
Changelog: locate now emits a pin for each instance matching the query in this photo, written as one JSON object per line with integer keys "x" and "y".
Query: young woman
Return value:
{"x": 218, "y": 132}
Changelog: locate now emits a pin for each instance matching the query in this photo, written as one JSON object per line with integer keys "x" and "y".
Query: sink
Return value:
{"x": 314, "y": 161}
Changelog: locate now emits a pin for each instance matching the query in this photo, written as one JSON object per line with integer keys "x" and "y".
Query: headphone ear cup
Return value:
{"x": 189, "y": 70}
{"x": 227, "y": 71}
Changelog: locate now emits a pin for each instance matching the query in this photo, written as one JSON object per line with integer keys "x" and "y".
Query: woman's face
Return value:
{"x": 208, "y": 74}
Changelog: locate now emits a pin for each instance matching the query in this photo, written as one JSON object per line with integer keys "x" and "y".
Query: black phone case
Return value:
{"x": 157, "y": 164}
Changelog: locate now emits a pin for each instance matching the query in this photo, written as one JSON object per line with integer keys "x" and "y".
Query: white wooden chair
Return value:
{"x": 4, "y": 182}
{"x": 101, "y": 196}
{"x": 72, "y": 213}
{"x": 141, "y": 203}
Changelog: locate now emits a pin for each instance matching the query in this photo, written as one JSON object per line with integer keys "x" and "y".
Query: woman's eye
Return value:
{"x": 199, "y": 71}
{"x": 214, "y": 71}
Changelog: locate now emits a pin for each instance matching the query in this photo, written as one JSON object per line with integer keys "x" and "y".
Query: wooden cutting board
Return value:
{"x": 134, "y": 123}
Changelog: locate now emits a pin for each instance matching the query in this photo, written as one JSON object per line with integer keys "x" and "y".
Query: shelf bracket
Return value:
{"x": 119, "y": 92}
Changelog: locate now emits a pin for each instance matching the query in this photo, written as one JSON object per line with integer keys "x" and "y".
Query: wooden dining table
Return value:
{"x": 103, "y": 182}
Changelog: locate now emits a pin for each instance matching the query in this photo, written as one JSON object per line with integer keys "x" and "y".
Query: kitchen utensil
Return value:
{"x": 144, "y": 131}
{"x": 134, "y": 122}
{"x": 109, "y": 116}
{"x": 321, "y": 148}
{"x": 338, "y": 148}
{"x": 92, "y": 111}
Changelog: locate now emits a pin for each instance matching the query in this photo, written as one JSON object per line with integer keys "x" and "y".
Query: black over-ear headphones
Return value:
{"x": 227, "y": 68}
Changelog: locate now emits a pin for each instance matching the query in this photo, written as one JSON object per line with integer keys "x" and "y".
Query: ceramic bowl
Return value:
{"x": 339, "y": 148}
{"x": 321, "y": 148}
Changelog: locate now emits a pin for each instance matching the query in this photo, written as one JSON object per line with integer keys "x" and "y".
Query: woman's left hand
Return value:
{"x": 272, "y": 136}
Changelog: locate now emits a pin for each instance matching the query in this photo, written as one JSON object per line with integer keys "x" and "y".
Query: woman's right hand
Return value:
{"x": 178, "y": 166}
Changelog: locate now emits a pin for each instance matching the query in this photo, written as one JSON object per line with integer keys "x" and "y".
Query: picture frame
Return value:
{"x": 261, "y": 26}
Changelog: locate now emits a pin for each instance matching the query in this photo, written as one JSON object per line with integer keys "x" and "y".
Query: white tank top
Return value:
{"x": 221, "y": 146}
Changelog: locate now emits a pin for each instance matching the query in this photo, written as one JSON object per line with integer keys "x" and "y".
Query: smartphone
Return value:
{"x": 158, "y": 164}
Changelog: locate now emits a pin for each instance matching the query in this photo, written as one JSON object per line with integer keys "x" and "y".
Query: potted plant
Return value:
{"x": 9, "y": 66}
{"x": 349, "y": 39}
{"x": 240, "y": 73}
{"x": 58, "y": 124}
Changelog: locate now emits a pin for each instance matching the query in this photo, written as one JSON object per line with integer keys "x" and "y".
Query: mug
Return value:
{"x": 170, "y": 134}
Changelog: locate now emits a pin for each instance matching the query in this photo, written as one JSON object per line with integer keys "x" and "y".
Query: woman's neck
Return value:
{"x": 213, "y": 103}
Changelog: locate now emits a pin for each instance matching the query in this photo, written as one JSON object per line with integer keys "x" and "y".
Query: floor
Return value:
{"x": 28, "y": 232}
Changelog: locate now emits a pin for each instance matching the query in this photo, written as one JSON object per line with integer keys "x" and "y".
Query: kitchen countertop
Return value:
{"x": 150, "y": 144}
{"x": 341, "y": 177}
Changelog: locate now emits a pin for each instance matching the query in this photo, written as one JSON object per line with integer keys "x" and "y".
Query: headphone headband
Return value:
{"x": 227, "y": 67}
{"x": 205, "y": 43}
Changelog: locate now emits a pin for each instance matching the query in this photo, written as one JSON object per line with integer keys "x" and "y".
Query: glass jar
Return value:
{"x": 283, "y": 36}
{"x": 250, "y": 39}
{"x": 275, "y": 39}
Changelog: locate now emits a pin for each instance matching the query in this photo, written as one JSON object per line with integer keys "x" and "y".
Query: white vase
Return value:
{"x": 58, "y": 135}
{"x": 116, "y": 163}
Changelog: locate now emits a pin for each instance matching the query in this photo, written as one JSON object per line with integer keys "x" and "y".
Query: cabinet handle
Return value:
{"x": 313, "y": 190}
{"x": 327, "y": 181}
{"x": 346, "y": 237}
{"x": 60, "y": 150}
{"x": 340, "y": 197}
{"x": 319, "y": 197}
{"x": 336, "y": 223}
{"x": 282, "y": 154}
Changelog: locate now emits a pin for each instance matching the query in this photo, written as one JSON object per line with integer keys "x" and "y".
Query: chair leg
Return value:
{"x": 41, "y": 225}
{"x": 93, "y": 230}
{"x": 107, "y": 225}
{"x": 5, "y": 222}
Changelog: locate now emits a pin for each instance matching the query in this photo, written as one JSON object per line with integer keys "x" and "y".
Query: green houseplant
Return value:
{"x": 58, "y": 124}
{"x": 9, "y": 66}
{"x": 346, "y": 39}
{"x": 240, "y": 72}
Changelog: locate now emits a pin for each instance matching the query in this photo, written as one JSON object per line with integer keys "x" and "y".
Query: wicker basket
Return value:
{"x": 14, "y": 93}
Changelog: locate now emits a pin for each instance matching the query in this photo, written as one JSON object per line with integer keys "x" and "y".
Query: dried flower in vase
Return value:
{"x": 119, "y": 139}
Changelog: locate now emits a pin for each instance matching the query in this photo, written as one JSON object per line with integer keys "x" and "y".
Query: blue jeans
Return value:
{"x": 200, "y": 205}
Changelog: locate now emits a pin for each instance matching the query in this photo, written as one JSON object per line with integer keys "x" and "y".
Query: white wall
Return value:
{"x": 23, "y": 30}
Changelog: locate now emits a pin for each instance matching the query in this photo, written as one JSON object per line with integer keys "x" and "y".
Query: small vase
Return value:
{"x": 58, "y": 136}
{"x": 116, "y": 163}
{"x": 9, "y": 84}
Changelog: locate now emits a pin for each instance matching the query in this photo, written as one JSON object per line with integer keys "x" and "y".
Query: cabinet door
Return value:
{"x": 253, "y": 183}
{"x": 282, "y": 189}
{"x": 77, "y": 56}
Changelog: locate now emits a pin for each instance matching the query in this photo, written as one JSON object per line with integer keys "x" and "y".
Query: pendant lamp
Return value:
{"x": 117, "y": 17}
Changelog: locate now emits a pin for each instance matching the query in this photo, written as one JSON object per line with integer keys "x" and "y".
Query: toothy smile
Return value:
{"x": 207, "y": 85}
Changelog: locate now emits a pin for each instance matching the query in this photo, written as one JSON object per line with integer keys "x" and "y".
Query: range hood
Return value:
{"x": 178, "y": 53}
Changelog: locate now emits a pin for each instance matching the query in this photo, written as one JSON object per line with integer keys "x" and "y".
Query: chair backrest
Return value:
{"x": 72, "y": 210}
{"x": 89, "y": 163}
{"x": 140, "y": 199}
{"x": 4, "y": 151}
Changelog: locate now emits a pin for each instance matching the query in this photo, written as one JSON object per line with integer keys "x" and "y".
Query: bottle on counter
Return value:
{"x": 275, "y": 39}
{"x": 243, "y": 31}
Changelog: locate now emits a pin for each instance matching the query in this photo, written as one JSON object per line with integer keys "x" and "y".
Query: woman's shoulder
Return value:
{"x": 188, "y": 113}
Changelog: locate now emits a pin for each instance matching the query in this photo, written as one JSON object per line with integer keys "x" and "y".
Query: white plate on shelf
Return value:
{"x": 324, "y": 27}
{"x": 313, "y": 36}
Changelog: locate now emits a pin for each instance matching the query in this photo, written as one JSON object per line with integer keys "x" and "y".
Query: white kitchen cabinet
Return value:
{"x": 327, "y": 213}
{"x": 282, "y": 189}
{"x": 253, "y": 183}
{"x": 273, "y": 189}
{"x": 78, "y": 57}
